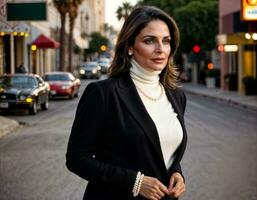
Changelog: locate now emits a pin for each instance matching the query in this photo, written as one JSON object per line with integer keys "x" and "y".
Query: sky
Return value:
{"x": 110, "y": 12}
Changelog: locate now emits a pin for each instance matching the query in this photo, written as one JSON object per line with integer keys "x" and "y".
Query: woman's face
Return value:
{"x": 152, "y": 46}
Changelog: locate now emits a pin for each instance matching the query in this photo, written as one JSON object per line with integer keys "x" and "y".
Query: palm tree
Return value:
{"x": 106, "y": 27}
{"x": 63, "y": 7}
{"x": 73, "y": 13}
{"x": 124, "y": 10}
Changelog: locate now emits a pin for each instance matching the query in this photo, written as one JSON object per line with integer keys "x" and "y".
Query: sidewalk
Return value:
{"x": 7, "y": 126}
{"x": 233, "y": 97}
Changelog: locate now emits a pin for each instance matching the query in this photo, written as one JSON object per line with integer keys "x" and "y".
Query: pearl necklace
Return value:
{"x": 149, "y": 97}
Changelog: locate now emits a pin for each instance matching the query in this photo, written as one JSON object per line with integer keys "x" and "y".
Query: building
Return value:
{"x": 237, "y": 43}
{"x": 20, "y": 39}
{"x": 90, "y": 19}
{"x": 7, "y": 42}
{"x": 17, "y": 38}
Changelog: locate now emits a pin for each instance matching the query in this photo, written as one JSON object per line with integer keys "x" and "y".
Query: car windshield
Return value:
{"x": 57, "y": 77}
{"x": 103, "y": 62}
{"x": 18, "y": 81}
{"x": 89, "y": 65}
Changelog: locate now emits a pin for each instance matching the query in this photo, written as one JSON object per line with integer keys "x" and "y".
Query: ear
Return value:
{"x": 130, "y": 51}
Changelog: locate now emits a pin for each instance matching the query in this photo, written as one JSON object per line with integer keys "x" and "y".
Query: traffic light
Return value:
{"x": 196, "y": 49}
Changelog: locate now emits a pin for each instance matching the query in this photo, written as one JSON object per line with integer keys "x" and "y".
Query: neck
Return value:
{"x": 142, "y": 75}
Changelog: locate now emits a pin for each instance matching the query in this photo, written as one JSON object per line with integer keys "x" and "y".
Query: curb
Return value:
{"x": 228, "y": 99}
{"x": 7, "y": 126}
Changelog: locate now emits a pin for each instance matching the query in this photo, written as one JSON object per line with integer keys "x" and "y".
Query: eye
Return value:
{"x": 149, "y": 41}
{"x": 166, "y": 41}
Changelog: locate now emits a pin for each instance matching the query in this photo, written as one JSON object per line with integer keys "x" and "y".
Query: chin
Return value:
{"x": 158, "y": 67}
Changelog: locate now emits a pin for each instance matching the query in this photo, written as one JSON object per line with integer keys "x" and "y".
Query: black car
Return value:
{"x": 23, "y": 91}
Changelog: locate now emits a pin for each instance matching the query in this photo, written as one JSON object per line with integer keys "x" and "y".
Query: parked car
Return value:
{"x": 62, "y": 84}
{"x": 23, "y": 91}
{"x": 90, "y": 70}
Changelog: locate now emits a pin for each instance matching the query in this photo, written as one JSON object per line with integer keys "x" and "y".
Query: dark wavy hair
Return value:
{"x": 136, "y": 21}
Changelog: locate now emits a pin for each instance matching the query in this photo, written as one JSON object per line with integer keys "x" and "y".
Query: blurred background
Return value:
{"x": 51, "y": 49}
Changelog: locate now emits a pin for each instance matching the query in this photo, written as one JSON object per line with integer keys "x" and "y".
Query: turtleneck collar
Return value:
{"x": 143, "y": 75}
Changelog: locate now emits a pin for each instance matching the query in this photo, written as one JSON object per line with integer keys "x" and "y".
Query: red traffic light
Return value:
{"x": 196, "y": 49}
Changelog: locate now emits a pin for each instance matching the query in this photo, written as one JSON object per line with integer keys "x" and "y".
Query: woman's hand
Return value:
{"x": 152, "y": 188}
{"x": 177, "y": 186}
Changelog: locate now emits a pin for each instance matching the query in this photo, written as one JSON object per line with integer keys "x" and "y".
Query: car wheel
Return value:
{"x": 33, "y": 109}
{"x": 45, "y": 105}
{"x": 71, "y": 96}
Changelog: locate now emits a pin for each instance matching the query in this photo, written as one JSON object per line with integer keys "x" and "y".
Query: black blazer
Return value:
{"x": 113, "y": 137}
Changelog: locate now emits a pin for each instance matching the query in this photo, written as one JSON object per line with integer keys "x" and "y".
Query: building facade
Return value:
{"x": 17, "y": 37}
{"x": 90, "y": 19}
{"x": 237, "y": 43}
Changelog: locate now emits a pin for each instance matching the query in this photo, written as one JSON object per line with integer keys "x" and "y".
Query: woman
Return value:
{"x": 128, "y": 136}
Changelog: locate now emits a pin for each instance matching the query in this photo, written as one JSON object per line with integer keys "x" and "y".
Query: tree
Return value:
{"x": 197, "y": 20}
{"x": 166, "y": 5}
{"x": 73, "y": 13}
{"x": 97, "y": 40}
{"x": 63, "y": 7}
{"x": 124, "y": 11}
{"x": 108, "y": 29}
{"x": 198, "y": 24}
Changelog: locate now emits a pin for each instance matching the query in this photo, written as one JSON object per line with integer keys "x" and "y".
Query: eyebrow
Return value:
{"x": 152, "y": 36}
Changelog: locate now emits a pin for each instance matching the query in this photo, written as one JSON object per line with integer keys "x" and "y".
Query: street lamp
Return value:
{"x": 247, "y": 36}
{"x": 254, "y": 36}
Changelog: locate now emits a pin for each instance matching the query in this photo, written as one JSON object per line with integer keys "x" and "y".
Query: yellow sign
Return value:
{"x": 249, "y": 10}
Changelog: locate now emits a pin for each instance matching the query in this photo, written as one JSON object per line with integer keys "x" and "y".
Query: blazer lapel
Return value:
{"x": 130, "y": 97}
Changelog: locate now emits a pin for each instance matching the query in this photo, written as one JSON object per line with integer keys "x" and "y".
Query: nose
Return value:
{"x": 159, "y": 47}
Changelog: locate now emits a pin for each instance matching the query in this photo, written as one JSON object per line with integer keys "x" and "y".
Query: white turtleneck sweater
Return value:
{"x": 161, "y": 111}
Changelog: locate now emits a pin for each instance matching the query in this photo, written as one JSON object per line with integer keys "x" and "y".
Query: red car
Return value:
{"x": 62, "y": 84}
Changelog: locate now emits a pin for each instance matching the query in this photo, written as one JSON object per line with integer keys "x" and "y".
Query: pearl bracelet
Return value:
{"x": 138, "y": 183}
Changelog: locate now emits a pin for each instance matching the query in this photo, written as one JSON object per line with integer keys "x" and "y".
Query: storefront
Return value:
{"x": 1, "y": 56}
{"x": 238, "y": 59}
{"x": 6, "y": 48}
{"x": 237, "y": 44}
{"x": 41, "y": 50}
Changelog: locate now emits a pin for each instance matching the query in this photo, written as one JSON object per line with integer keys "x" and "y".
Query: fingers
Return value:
{"x": 179, "y": 189}
{"x": 152, "y": 188}
{"x": 177, "y": 186}
{"x": 172, "y": 183}
{"x": 158, "y": 190}
{"x": 163, "y": 188}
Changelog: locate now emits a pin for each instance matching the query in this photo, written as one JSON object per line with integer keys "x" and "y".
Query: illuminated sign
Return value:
{"x": 249, "y": 10}
{"x": 231, "y": 48}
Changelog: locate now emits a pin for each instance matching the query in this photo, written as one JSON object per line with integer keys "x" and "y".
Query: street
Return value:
{"x": 220, "y": 162}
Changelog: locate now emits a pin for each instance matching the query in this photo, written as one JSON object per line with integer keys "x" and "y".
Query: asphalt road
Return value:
{"x": 220, "y": 161}
{"x": 221, "y": 158}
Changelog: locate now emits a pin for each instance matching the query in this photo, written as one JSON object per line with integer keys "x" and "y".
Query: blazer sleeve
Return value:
{"x": 83, "y": 143}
